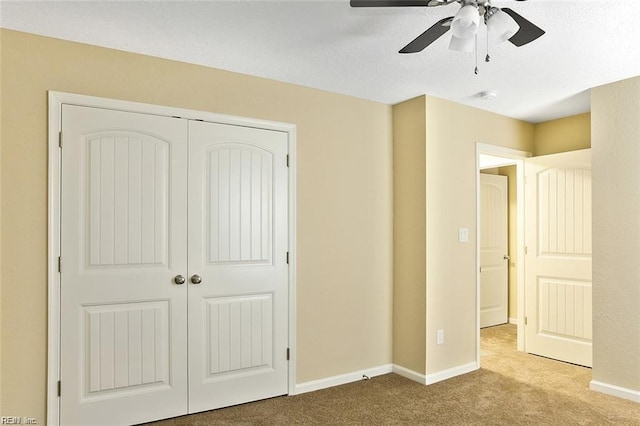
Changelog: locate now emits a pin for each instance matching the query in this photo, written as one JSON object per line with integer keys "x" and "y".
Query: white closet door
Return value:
{"x": 123, "y": 318}
{"x": 238, "y": 238}
{"x": 558, "y": 260}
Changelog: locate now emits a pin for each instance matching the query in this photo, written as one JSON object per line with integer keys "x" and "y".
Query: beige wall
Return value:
{"x": 344, "y": 291}
{"x": 409, "y": 238}
{"x": 452, "y": 132}
{"x": 615, "y": 112}
{"x": 561, "y": 135}
{"x": 449, "y": 193}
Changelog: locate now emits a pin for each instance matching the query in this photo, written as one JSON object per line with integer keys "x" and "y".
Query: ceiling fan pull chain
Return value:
{"x": 476, "y": 72}
{"x": 487, "y": 58}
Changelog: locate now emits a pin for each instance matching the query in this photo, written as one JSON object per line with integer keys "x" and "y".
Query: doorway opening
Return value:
{"x": 495, "y": 160}
{"x": 555, "y": 289}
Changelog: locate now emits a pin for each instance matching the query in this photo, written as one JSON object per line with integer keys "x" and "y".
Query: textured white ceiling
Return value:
{"x": 329, "y": 45}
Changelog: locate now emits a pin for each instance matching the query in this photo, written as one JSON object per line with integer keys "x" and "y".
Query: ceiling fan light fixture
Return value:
{"x": 462, "y": 44}
{"x": 466, "y": 22}
{"x": 501, "y": 26}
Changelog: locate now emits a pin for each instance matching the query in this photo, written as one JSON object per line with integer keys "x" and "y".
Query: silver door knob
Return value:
{"x": 179, "y": 279}
{"x": 196, "y": 279}
{"x": 506, "y": 257}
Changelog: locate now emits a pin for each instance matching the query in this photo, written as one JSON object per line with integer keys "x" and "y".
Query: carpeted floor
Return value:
{"x": 511, "y": 388}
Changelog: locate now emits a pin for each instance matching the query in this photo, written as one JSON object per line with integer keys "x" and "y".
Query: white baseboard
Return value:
{"x": 451, "y": 372}
{"x": 342, "y": 379}
{"x": 630, "y": 394}
{"x": 513, "y": 321}
{"x": 410, "y": 374}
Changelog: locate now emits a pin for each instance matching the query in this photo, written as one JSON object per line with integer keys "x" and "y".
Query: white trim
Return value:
{"x": 521, "y": 242}
{"x": 53, "y": 251}
{"x": 410, "y": 374}
{"x": 630, "y": 394}
{"x": 342, "y": 379}
{"x": 477, "y": 265}
{"x": 432, "y": 378}
{"x": 142, "y": 108}
{"x": 501, "y": 151}
{"x": 293, "y": 260}
{"x": 518, "y": 158}
{"x": 513, "y": 321}
{"x": 56, "y": 100}
{"x": 451, "y": 372}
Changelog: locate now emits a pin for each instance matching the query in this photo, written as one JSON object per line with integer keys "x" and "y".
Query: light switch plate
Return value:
{"x": 463, "y": 235}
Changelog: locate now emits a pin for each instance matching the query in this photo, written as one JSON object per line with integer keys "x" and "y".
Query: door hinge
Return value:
{"x": 288, "y": 354}
{"x": 481, "y": 269}
{"x": 59, "y": 388}
{"x": 525, "y": 320}
{"x": 59, "y": 264}
{"x": 287, "y": 160}
{"x": 60, "y": 139}
{"x": 526, "y": 249}
{"x": 287, "y": 258}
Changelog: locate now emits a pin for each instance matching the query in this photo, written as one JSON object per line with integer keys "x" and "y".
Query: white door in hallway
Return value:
{"x": 493, "y": 250}
{"x": 238, "y": 239}
{"x": 558, "y": 259}
{"x": 174, "y": 278}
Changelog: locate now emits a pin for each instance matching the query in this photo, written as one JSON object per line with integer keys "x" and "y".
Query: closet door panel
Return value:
{"x": 124, "y": 224}
{"x": 238, "y": 236}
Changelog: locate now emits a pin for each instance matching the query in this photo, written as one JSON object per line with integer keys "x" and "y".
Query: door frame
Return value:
{"x": 513, "y": 157}
{"x": 55, "y": 102}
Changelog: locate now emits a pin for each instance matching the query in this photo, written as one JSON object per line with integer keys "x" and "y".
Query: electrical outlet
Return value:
{"x": 463, "y": 235}
{"x": 440, "y": 337}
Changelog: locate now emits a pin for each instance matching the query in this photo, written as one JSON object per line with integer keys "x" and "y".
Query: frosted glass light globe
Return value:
{"x": 466, "y": 22}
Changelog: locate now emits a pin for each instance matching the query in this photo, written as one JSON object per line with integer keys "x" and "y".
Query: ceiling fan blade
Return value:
{"x": 528, "y": 32}
{"x": 389, "y": 3}
{"x": 429, "y": 36}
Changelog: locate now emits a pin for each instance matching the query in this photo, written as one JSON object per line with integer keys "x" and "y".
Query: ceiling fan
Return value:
{"x": 502, "y": 23}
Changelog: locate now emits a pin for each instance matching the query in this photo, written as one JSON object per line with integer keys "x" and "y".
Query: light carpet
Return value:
{"x": 511, "y": 388}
